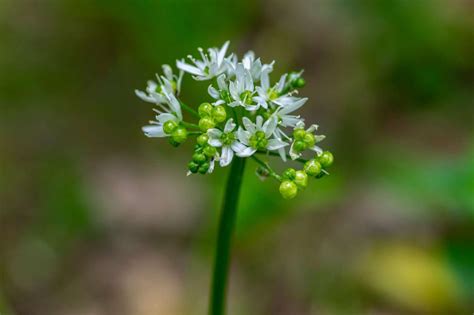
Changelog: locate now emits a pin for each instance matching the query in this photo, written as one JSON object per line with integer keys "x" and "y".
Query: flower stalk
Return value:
{"x": 227, "y": 220}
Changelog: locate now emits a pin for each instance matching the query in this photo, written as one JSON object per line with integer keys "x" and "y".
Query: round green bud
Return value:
{"x": 203, "y": 168}
{"x": 309, "y": 139}
{"x": 199, "y": 158}
{"x": 301, "y": 179}
{"x": 312, "y": 167}
{"x": 170, "y": 126}
{"x": 299, "y": 134}
{"x": 205, "y": 110}
{"x": 202, "y": 139}
{"x": 193, "y": 167}
{"x": 209, "y": 151}
{"x": 219, "y": 114}
{"x": 173, "y": 142}
{"x": 326, "y": 159}
{"x": 289, "y": 173}
{"x": 179, "y": 135}
{"x": 206, "y": 123}
{"x": 299, "y": 82}
{"x": 299, "y": 146}
{"x": 288, "y": 189}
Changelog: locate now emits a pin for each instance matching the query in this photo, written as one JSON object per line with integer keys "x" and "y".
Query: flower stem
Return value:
{"x": 189, "y": 109}
{"x": 301, "y": 160}
{"x": 224, "y": 238}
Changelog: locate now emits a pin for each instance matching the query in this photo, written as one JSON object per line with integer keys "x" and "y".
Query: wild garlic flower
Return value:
{"x": 245, "y": 116}
{"x": 258, "y": 135}
{"x": 211, "y": 65}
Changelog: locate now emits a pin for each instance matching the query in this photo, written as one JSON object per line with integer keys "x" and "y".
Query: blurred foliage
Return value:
{"x": 389, "y": 232}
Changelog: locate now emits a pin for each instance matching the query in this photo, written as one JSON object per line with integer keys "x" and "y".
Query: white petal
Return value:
{"x": 154, "y": 131}
{"x": 213, "y": 92}
{"x": 221, "y": 82}
{"x": 214, "y": 133}
{"x": 275, "y": 144}
{"x": 215, "y": 143}
{"x": 211, "y": 166}
{"x": 320, "y": 138}
{"x": 317, "y": 149}
{"x": 289, "y": 120}
{"x": 229, "y": 125}
{"x": 234, "y": 92}
{"x": 293, "y": 154}
{"x": 144, "y": 96}
{"x": 227, "y": 155}
{"x": 281, "y": 83}
{"x": 243, "y": 136}
{"x": 312, "y": 128}
{"x": 265, "y": 80}
{"x": 282, "y": 153}
{"x": 188, "y": 68}
{"x": 167, "y": 71}
{"x": 269, "y": 126}
{"x": 291, "y": 107}
{"x": 162, "y": 118}
{"x": 259, "y": 122}
{"x": 299, "y": 125}
{"x": 242, "y": 150}
{"x": 248, "y": 124}
{"x": 222, "y": 52}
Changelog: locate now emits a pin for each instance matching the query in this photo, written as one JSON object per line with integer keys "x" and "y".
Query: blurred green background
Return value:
{"x": 96, "y": 219}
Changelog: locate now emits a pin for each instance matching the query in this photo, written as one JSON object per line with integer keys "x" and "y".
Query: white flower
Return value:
{"x": 227, "y": 140}
{"x": 317, "y": 138}
{"x": 242, "y": 89}
{"x": 211, "y": 65}
{"x": 254, "y": 66}
{"x": 274, "y": 95}
{"x": 171, "y": 110}
{"x": 154, "y": 91}
{"x": 285, "y": 119}
{"x": 256, "y": 136}
{"x": 221, "y": 92}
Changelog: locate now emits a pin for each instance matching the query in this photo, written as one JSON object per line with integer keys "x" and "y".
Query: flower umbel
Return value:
{"x": 245, "y": 116}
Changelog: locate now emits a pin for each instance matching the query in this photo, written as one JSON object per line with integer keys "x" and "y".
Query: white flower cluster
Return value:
{"x": 246, "y": 114}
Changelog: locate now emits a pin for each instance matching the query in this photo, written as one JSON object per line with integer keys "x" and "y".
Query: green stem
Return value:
{"x": 189, "y": 125}
{"x": 271, "y": 172}
{"x": 189, "y": 109}
{"x": 224, "y": 238}
{"x": 301, "y": 160}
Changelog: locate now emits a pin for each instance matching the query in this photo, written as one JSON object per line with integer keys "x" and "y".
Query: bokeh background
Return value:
{"x": 96, "y": 219}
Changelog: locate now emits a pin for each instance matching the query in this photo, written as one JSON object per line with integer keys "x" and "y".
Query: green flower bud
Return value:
{"x": 219, "y": 114}
{"x": 299, "y": 134}
{"x": 170, "y": 126}
{"x": 289, "y": 174}
{"x": 173, "y": 142}
{"x": 203, "y": 168}
{"x": 288, "y": 189}
{"x": 193, "y": 167}
{"x": 199, "y": 158}
{"x": 206, "y": 123}
{"x": 202, "y": 139}
{"x": 179, "y": 135}
{"x": 299, "y": 146}
{"x": 209, "y": 151}
{"x": 309, "y": 139}
{"x": 326, "y": 159}
{"x": 299, "y": 82}
{"x": 312, "y": 167}
{"x": 205, "y": 110}
{"x": 301, "y": 179}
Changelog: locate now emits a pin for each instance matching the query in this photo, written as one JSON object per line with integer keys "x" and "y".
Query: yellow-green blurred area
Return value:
{"x": 97, "y": 219}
